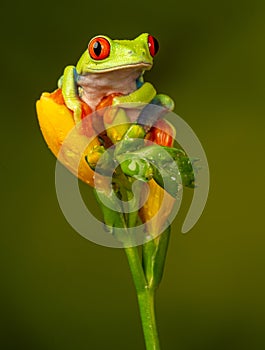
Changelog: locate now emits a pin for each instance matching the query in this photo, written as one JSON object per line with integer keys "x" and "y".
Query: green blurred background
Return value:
{"x": 60, "y": 291}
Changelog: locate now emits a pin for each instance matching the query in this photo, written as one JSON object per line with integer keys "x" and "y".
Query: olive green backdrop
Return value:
{"x": 60, "y": 291}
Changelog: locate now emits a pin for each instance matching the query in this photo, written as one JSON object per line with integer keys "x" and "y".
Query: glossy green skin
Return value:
{"x": 124, "y": 54}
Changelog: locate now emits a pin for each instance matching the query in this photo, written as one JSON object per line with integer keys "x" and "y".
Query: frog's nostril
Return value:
{"x": 130, "y": 52}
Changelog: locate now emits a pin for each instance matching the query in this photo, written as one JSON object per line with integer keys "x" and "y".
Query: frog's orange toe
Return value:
{"x": 56, "y": 121}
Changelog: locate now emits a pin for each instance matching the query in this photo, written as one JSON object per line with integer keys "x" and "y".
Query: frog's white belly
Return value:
{"x": 94, "y": 86}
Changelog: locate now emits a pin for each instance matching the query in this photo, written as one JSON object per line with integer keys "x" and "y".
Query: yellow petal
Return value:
{"x": 56, "y": 121}
{"x": 160, "y": 201}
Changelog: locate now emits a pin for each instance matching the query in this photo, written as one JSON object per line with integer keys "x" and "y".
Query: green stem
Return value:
{"x": 147, "y": 312}
{"x": 144, "y": 290}
{"x": 145, "y": 296}
{"x": 136, "y": 269}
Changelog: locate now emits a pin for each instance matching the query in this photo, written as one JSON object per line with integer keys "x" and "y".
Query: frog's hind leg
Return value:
{"x": 164, "y": 101}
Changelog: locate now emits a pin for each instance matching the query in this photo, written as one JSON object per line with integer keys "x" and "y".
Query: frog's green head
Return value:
{"x": 104, "y": 54}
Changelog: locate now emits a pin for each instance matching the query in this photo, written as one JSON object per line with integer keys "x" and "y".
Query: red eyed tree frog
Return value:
{"x": 112, "y": 66}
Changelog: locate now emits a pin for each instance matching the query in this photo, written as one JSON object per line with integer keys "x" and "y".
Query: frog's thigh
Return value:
{"x": 144, "y": 94}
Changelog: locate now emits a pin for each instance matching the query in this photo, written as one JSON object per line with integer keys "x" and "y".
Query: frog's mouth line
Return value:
{"x": 143, "y": 65}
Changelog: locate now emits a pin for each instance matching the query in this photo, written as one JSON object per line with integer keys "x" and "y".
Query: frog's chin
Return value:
{"x": 140, "y": 65}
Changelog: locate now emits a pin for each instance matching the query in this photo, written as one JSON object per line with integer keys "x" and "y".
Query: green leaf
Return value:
{"x": 137, "y": 168}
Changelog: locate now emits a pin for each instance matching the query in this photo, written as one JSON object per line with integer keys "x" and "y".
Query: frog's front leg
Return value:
{"x": 144, "y": 94}
{"x": 70, "y": 92}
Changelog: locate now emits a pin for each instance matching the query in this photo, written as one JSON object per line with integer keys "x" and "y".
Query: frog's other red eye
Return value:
{"x": 153, "y": 45}
{"x": 99, "y": 48}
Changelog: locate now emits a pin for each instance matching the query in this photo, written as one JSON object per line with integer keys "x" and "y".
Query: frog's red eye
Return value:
{"x": 99, "y": 48}
{"x": 153, "y": 45}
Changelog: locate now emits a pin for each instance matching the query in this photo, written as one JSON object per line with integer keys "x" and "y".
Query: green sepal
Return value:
{"x": 112, "y": 218}
{"x": 154, "y": 256}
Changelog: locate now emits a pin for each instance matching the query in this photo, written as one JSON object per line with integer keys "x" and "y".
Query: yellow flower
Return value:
{"x": 56, "y": 121}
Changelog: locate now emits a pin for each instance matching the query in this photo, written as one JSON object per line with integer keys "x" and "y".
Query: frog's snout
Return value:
{"x": 131, "y": 53}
